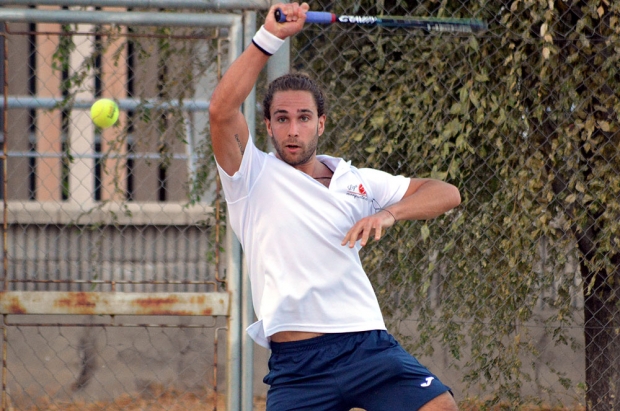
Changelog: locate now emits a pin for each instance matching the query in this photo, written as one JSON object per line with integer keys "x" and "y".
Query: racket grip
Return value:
{"x": 317, "y": 17}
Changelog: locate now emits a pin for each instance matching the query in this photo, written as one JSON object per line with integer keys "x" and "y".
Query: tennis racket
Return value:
{"x": 424, "y": 23}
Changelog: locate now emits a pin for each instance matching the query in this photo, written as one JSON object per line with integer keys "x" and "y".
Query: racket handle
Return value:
{"x": 317, "y": 17}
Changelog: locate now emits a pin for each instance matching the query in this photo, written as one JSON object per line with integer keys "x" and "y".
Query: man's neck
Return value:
{"x": 322, "y": 173}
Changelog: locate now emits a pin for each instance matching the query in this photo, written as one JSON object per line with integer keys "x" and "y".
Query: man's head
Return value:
{"x": 295, "y": 118}
{"x": 295, "y": 82}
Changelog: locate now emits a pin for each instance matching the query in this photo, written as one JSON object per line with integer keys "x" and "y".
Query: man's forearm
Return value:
{"x": 237, "y": 83}
{"x": 431, "y": 199}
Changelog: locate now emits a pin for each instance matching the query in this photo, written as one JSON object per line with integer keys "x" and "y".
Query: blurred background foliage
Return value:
{"x": 524, "y": 120}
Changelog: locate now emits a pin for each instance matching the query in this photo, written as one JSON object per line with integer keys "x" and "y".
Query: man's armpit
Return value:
{"x": 239, "y": 143}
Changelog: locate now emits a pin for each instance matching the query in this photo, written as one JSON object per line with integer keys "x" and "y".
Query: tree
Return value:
{"x": 524, "y": 119}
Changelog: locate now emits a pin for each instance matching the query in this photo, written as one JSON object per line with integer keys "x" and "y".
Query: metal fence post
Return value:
{"x": 234, "y": 275}
{"x": 247, "y": 310}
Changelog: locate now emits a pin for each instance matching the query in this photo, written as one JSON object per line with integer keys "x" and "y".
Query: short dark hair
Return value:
{"x": 294, "y": 82}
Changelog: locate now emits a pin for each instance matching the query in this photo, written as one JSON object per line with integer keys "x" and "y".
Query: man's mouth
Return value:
{"x": 292, "y": 147}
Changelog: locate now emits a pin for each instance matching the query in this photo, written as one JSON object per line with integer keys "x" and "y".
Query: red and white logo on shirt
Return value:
{"x": 357, "y": 191}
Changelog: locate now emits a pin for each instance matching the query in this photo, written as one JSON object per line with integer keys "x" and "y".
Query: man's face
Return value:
{"x": 295, "y": 126}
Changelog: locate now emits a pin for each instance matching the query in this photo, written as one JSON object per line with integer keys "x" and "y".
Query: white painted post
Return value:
{"x": 81, "y": 133}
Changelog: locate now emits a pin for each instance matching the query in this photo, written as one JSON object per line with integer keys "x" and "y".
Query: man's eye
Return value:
{"x": 305, "y": 118}
{"x": 281, "y": 119}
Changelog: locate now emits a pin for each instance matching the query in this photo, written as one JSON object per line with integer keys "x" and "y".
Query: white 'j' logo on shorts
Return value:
{"x": 428, "y": 382}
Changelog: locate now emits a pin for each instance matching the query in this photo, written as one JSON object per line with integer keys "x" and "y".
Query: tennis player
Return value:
{"x": 301, "y": 219}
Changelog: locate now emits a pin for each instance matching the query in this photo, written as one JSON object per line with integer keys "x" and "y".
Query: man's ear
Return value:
{"x": 321, "y": 125}
{"x": 268, "y": 127}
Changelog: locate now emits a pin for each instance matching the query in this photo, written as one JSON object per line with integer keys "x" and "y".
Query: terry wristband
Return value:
{"x": 267, "y": 42}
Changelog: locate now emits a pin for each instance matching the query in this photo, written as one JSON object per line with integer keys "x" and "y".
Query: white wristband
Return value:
{"x": 267, "y": 42}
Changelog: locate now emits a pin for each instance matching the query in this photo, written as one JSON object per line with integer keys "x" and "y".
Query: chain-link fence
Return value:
{"x": 116, "y": 286}
{"x": 512, "y": 299}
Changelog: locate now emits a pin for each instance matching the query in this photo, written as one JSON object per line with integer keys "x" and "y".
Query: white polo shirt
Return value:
{"x": 290, "y": 227}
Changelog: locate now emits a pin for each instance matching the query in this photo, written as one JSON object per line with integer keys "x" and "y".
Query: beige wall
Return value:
{"x": 48, "y": 122}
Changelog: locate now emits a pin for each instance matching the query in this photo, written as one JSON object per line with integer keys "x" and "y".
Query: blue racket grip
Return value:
{"x": 317, "y": 17}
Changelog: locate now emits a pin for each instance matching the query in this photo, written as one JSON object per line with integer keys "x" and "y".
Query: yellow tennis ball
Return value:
{"x": 104, "y": 112}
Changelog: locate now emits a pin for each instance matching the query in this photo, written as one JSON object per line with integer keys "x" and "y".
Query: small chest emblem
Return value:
{"x": 357, "y": 191}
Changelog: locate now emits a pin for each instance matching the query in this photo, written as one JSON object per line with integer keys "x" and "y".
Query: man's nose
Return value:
{"x": 293, "y": 129}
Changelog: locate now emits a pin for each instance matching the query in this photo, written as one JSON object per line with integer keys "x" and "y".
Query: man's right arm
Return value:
{"x": 229, "y": 130}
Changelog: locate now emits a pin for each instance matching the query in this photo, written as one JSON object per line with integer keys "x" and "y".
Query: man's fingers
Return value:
{"x": 366, "y": 227}
{"x": 362, "y": 232}
{"x": 295, "y": 11}
{"x": 378, "y": 233}
{"x": 291, "y": 11}
{"x": 368, "y": 232}
{"x": 364, "y": 237}
{"x": 294, "y": 22}
{"x": 351, "y": 237}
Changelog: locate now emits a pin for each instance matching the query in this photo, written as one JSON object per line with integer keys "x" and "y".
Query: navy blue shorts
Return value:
{"x": 334, "y": 372}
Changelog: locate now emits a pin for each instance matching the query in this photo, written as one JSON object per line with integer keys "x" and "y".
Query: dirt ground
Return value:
{"x": 157, "y": 399}
{"x": 134, "y": 369}
{"x": 153, "y": 399}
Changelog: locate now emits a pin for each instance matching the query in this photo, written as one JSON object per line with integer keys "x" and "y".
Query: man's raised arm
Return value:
{"x": 229, "y": 130}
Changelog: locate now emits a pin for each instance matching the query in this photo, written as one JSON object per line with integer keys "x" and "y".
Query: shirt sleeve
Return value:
{"x": 237, "y": 186}
{"x": 387, "y": 189}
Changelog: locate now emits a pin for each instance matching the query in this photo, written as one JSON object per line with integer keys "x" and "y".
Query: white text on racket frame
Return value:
{"x": 357, "y": 19}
